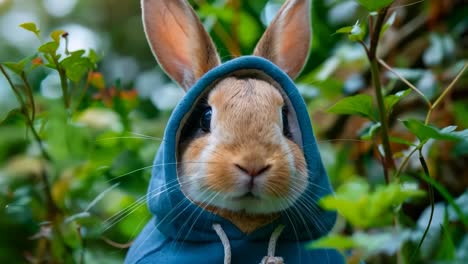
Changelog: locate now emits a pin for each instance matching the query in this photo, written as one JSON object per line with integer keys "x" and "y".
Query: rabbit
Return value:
{"x": 260, "y": 170}
{"x": 239, "y": 147}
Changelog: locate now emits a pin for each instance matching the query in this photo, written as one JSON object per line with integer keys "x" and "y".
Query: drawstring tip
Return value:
{"x": 272, "y": 260}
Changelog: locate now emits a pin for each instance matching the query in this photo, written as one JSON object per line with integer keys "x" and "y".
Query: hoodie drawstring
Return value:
{"x": 225, "y": 240}
{"x": 269, "y": 259}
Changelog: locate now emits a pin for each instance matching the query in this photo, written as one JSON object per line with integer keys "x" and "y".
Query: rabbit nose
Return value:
{"x": 252, "y": 169}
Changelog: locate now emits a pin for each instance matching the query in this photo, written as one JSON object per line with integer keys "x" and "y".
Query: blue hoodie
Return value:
{"x": 182, "y": 232}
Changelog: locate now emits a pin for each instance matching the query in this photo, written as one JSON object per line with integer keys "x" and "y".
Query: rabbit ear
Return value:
{"x": 180, "y": 43}
{"x": 286, "y": 42}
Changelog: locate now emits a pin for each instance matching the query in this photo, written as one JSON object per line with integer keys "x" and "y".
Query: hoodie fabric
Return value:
{"x": 182, "y": 232}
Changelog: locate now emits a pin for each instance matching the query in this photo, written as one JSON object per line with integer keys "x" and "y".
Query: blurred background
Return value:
{"x": 104, "y": 146}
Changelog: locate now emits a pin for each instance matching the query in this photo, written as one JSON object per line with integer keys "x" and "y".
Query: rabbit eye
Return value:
{"x": 205, "y": 120}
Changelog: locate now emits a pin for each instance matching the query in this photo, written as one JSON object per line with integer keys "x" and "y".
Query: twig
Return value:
{"x": 431, "y": 200}
{"x": 405, "y": 162}
{"x": 364, "y": 46}
{"x": 375, "y": 36}
{"x": 444, "y": 93}
{"x": 115, "y": 244}
{"x": 12, "y": 85}
{"x": 405, "y": 81}
{"x": 29, "y": 92}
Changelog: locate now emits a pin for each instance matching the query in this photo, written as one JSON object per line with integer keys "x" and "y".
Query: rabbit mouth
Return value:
{"x": 247, "y": 196}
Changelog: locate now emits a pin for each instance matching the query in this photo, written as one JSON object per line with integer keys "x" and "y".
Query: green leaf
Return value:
{"x": 357, "y": 32}
{"x": 49, "y": 47}
{"x": 370, "y": 131}
{"x": 447, "y": 249}
{"x": 76, "y": 66}
{"x": 24, "y": 65}
{"x": 30, "y": 26}
{"x": 10, "y": 114}
{"x": 388, "y": 24}
{"x": 366, "y": 209}
{"x": 344, "y": 30}
{"x": 374, "y": 5}
{"x": 93, "y": 57}
{"x": 402, "y": 141}
{"x": 55, "y": 35}
{"x": 77, "y": 70}
{"x": 339, "y": 242}
{"x": 425, "y": 132}
{"x": 360, "y": 104}
{"x": 367, "y": 244}
{"x": 16, "y": 67}
{"x": 447, "y": 196}
{"x": 393, "y": 99}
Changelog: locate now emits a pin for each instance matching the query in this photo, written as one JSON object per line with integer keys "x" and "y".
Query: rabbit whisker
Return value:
{"x": 111, "y": 221}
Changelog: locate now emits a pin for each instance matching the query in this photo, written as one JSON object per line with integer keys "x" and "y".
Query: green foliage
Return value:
{"x": 73, "y": 166}
{"x": 364, "y": 244}
{"x": 426, "y": 132}
{"x": 360, "y": 104}
{"x": 393, "y": 99}
{"x": 357, "y": 32}
{"x": 364, "y": 208}
{"x": 375, "y": 215}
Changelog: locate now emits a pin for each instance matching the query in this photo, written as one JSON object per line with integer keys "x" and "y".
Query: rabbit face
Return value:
{"x": 246, "y": 161}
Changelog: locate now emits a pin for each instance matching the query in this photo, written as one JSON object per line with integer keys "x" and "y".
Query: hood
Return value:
{"x": 177, "y": 217}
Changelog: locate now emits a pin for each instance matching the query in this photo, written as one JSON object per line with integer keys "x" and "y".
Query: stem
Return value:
{"x": 405, "y": 162}
{"x": 375, "y": 36}
{"x": 13, "y": 87}
{"x": 431, "y": 200}
{"x": 63, "y": 82}
{"x": 29, "y": 92}
{"x": 83, "y": 245}
{"x": 364, "y": 46}
{"x": 388, "y": 160}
